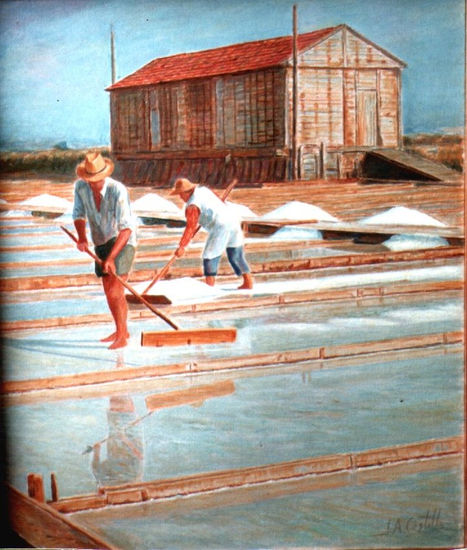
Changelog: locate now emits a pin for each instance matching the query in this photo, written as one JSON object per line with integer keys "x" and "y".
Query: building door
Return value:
{"x": 367, "y": 128}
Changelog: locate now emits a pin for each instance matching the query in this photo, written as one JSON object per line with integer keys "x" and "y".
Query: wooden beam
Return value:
{"x": 226, "y": 479}
{"x": 335, "y": 295}
{"x": 41, "y": 525}
{"x": 58, "y": 281}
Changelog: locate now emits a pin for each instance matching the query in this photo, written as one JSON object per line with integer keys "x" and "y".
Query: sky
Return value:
{"x": 55, "y": 54}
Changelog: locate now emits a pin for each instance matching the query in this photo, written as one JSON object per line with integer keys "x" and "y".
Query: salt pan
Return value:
{"x": 297, "y": 210}
{"x": 401, "y": 215}
{"x": 414, "y": 242}
{"x": 152, "y": 202}
{"x": 48, "y": 200}
{"x": 183, "y": 290}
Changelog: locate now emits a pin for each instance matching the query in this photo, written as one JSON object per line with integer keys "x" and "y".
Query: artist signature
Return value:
{"x": 414, "y": 524}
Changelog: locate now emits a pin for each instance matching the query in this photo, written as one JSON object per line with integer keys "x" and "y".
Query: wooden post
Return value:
{"x": 322, "y": 161}
{"x": 54, "y": 487}
{"x": 112, "y": 54}
{"x": 294, "y": 96}
{"x": 36, "y": 487}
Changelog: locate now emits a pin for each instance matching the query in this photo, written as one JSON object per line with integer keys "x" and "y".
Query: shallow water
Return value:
{"x": 267, "y": 419}
{"x": 38, "y": 354}
{"x": 412, "y": 511}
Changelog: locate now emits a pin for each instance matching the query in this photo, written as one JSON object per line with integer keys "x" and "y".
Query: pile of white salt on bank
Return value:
{"x": 297, "y": 210}
{"x": 154, "y": 203}
{"x": 46, "y": 200}
{"x": 241, "y": 210}
{"x": 414, "y": 242}
{"x": 401, "y": 215}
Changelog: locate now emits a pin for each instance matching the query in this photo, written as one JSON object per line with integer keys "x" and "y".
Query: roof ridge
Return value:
{"x": 248, "y": 42}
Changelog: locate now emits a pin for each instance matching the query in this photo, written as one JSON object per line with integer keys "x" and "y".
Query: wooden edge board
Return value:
{"x": 213, "y": 481}
{"x": 43, "y": 526}
{"x": 166, "y": 379}
{"x": 226, "y": 363}
{"x": 329, "y": 295}
{"x": 182, "y": 337}
{"x": 57, "y": 281}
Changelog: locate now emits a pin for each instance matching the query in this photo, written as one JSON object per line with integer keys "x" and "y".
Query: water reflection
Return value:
{"x": 119, "y": 458}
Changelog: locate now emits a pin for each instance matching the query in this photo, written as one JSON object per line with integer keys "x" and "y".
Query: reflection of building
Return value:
{"x": 228, "y": 110}
{"x": 119, "y": 459}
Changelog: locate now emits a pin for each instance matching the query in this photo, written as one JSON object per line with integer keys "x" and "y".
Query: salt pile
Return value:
{"x": 297, "y": 210}
{"x": 401, "y": 215}
{"x": 241, "y": 210}
{"x": 414, "y": 242}
{"x": 294, "y": 233}
{"x": 152, "y": 202}
{"x": 48, "y": 200}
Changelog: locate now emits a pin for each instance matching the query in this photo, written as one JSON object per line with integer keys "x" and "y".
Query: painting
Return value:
{"x": 232, "y": 274}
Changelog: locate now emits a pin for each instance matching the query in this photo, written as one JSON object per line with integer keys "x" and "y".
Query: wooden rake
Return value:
{"x": 177, "y": 337}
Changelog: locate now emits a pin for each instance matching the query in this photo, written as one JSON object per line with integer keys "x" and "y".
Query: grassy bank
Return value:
{"x": 53, "y": 161}
{"x": 444, "y": 148}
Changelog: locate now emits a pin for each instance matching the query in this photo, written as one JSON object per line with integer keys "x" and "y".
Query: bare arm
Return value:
{"x": 192, "y": 216}
{"x": 80, "y": 225}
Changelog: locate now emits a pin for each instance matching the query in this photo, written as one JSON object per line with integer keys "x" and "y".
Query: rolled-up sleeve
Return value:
{"x": 78, "y": 205}
{"x": 123, "y": 212}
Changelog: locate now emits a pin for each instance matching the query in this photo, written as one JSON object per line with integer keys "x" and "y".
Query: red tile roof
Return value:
{"x": 248, "y": 56}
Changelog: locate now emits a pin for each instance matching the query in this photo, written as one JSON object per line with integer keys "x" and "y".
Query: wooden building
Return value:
{"x": 228, "y": 111}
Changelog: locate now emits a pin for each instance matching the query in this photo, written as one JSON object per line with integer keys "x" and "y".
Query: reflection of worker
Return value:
{"x": 105, "y": 203}
{"x": 124, "y": 446}
{"x": 205, "y": 208}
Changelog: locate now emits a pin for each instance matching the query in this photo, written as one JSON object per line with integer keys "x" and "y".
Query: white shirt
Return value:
{"x": 221, "y": 222}
{"x": 113, "y": 216}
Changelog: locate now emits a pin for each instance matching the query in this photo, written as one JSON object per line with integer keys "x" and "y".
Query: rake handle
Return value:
{"x": 160, "y": 274}
{"x": 125, "y": 284}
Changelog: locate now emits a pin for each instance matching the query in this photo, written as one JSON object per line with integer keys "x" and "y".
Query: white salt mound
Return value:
{"x": 293, "y": 233}
{"x": 48, "y": 200}
{"x": 401, "y": 215}
{"x": 297, "y": 210}
{"x": 414, "y": 242}
{"x": 241, "y": 210}
{"x": 152, "y": 202}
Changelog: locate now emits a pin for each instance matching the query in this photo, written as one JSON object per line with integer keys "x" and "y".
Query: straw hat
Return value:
{"x": 182, "y": 185}
{"x": 94, "y": 167}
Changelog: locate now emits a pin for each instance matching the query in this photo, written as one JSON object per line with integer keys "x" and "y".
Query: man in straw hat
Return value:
{"x": 104, "y": 202}
{"x": 205, "y": 208}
